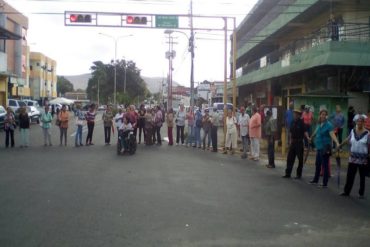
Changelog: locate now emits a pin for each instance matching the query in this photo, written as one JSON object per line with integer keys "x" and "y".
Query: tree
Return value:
{"x": 63, "y": 85}
{"x": 103, "y": 74}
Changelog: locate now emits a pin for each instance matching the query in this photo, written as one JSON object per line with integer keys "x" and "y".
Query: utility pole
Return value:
{"x": 191, "y": 49}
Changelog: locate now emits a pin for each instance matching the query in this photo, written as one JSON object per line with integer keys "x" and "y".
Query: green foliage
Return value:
{"x": 63, "y": 85}
{"x": 103, "y": 74}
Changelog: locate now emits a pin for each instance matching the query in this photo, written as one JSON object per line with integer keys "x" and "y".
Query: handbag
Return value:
{"x": 57, "y": 122}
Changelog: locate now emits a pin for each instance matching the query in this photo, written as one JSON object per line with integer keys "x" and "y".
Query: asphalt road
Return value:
{"x": 165, "y": 196}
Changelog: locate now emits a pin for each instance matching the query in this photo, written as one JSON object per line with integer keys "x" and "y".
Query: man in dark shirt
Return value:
{"x": 298, "y": 131}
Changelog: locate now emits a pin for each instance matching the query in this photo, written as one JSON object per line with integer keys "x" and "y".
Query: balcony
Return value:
{"x": 350, "y": 46}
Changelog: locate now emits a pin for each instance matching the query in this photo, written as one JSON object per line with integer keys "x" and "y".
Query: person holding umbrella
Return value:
{"x": 359, "y": 140}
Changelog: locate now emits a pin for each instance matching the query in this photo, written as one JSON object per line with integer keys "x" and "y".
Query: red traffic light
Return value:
{"x": 79, "y": 18}
{"x": 139, "y": 20}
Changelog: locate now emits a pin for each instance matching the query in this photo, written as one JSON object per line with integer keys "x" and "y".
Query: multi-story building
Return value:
{"x": 311, "y": 52}
{"x": 13, "y": 54}
{"x": 43, "y": 77}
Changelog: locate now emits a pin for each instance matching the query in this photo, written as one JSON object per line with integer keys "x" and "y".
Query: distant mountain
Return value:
{"x": 154, "y": 84}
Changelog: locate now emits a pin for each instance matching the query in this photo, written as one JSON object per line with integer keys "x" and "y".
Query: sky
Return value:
{"x": 76, "y": 48}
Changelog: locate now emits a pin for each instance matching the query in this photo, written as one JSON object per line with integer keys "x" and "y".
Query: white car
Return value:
{"x": 34, "y": 114}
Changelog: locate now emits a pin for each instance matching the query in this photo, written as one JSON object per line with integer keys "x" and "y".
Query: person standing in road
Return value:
{"x": 231, "y": 133}
{"x": 359, "y": 138}
{"x": 350, "y": 115}
{"x": 206, "y": 124}
{"x": 24, "y": 127}
{"x": 158, "y": 124}
{"x": 324, "y": 134}
{"x": 307, "y": 117}
{"x": 80, "y": 118}
{"x": 270, "y": 131}
{"x": 198, "y": 127}
{"x": 149, "y": 127}
{"x": 255, "y": 133}
{"x": 9, "y": 126}
{"x": 190, "y": 140}
{"x": 180, "y": 125}
{"x": 108, "y": 123}
{"x": 46, "y": 119}
{"x": 288, "y": 120}
{"x": 63, "y": 127}
{"x": 170, "y": 126}
{"x": 90, "y": 120}
{"x": 298, "y": 132}
{"x": 243, "y": 123}
{"x": 337, "y": 119}
{"x": 141, "y": 122}
{"x": 215, "y": 122}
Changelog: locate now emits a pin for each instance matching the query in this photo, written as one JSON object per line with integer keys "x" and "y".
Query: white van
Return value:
{"x": 220, "y": 106}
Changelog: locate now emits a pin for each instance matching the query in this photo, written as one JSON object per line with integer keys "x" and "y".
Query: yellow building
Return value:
{"x": 13, "y": 54}
{"x": 43, "y": 77}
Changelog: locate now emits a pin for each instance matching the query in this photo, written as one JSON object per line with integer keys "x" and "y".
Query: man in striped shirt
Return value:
{"x": 90, "y": 120}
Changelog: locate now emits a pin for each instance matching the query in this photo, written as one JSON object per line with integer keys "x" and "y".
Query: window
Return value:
{"x": 12, "y": 103}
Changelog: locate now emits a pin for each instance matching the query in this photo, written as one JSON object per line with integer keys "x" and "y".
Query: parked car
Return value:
{"x": 2, "y": 117}
{"x": 32, "y": 103}
{"x": 15, "y": 104}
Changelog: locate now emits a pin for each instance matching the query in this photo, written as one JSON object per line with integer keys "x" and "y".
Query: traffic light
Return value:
{"x": 138, "y": 20}
{"x": 79, "y": 18}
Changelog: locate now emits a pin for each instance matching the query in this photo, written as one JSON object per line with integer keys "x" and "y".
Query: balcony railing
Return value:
{"x": 355, "y": 32}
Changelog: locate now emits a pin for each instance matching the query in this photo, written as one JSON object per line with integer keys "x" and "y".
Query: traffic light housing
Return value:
{"x": 75, "y": 18}
{"x": 136, "y": 20}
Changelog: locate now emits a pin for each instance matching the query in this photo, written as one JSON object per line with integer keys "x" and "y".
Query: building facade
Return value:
{"x": 13, "y": 54}
{"x": 310, "y": 52}
{"x": 43, "y": 77}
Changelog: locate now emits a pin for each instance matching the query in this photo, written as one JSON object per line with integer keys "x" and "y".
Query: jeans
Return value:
{"x": 191, "y": 135}
{"x": 271, "y": 150}
{"x": 78, "y": 137}
{"x": 214, "y": 137}
{"x": 25, "y": 137}
{"x": 180, "y": 134}
{"x": 245, "y": 144}
{"x": 107, "y": 131}
{"x": 9, "y": 134}
{"x": 206, "y": 134}
{"x": 90, "y": 130}
{"x": 158, "y": 131}
{"x": 197, "y": 136}
{"x": 322, "y": 159}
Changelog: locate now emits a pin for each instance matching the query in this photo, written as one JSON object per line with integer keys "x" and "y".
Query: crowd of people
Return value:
{"x": 198, "y": 128}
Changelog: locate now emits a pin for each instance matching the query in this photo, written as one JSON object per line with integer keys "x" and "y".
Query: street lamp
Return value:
{"x": 116, "y": 39}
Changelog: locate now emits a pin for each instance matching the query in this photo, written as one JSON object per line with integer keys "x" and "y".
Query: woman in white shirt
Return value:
{"x": 359, "y": 140}
{"x": 231, "y": 133}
